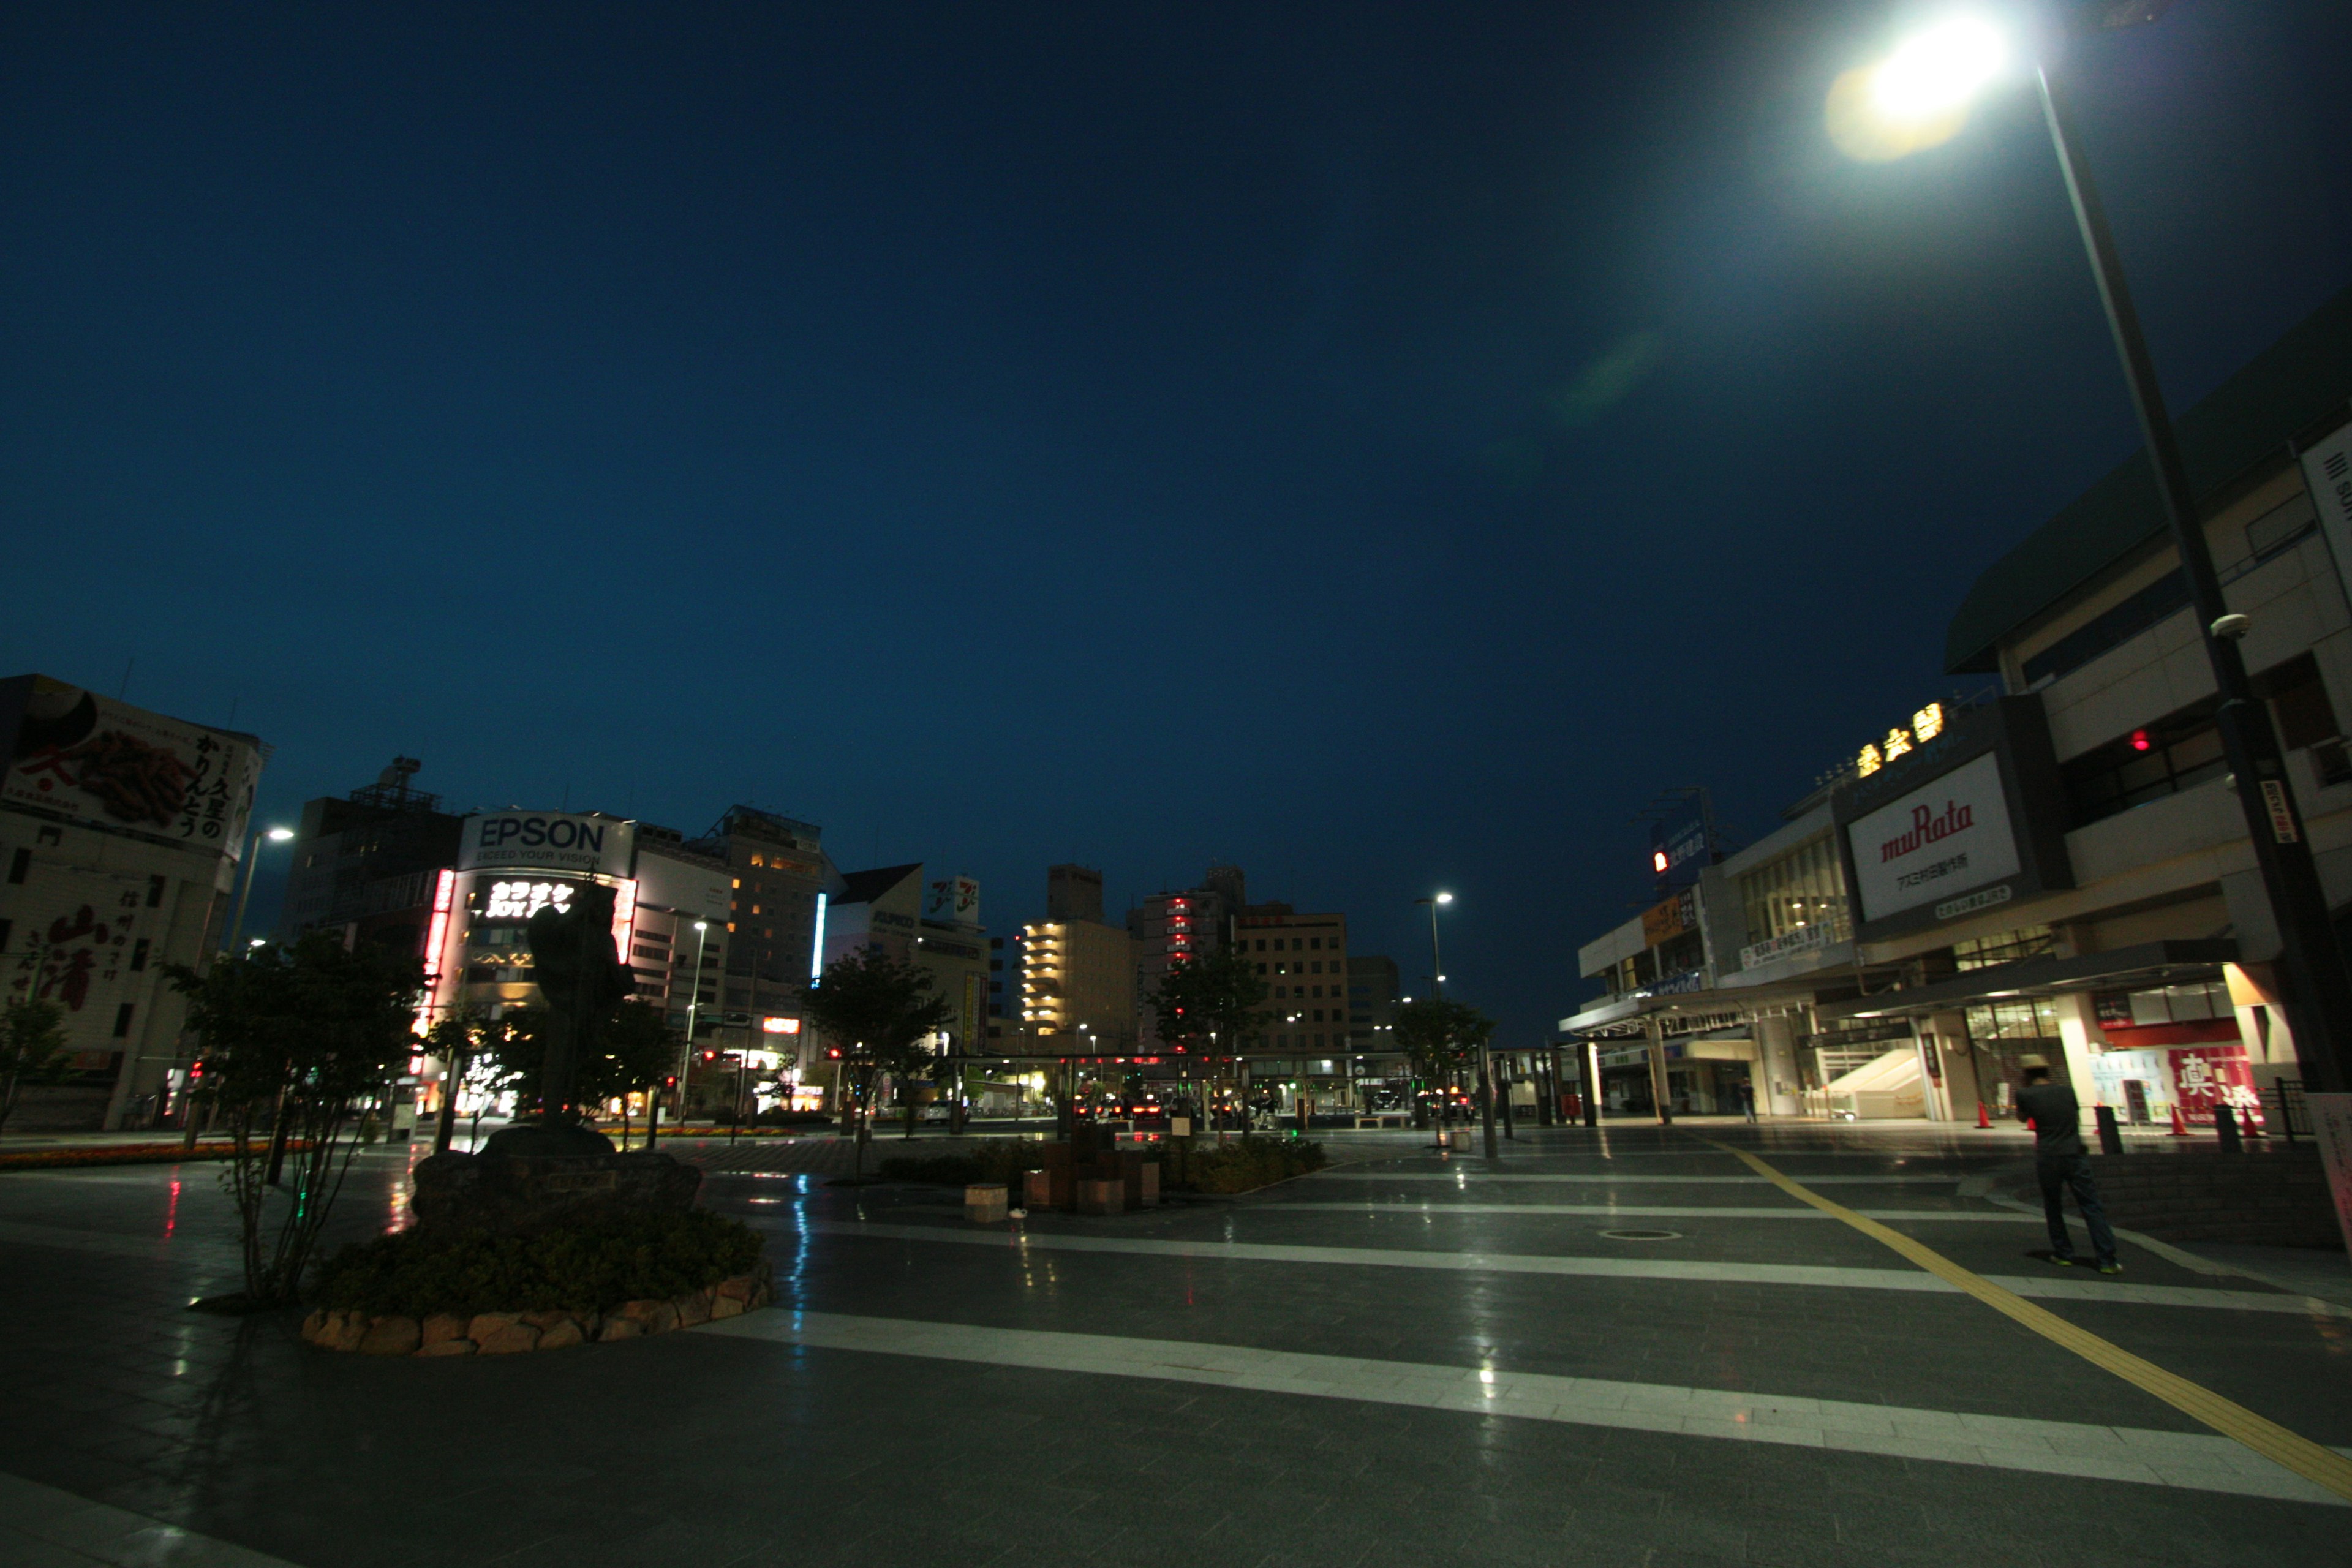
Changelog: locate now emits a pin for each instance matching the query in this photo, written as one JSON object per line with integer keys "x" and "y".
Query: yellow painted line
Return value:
{"x": 2273, "y": 1442}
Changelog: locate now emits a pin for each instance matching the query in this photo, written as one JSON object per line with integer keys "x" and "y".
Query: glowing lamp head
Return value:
{"x": 279, "y": 835}
{"x": 1658, "y": 861}
{"x": 1444, "y": 898}
{"x": 2140, "y": 743}
{"x": 1938, "y": 70}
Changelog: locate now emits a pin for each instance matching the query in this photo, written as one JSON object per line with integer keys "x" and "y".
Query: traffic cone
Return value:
{"x": 1982, "y": 1120}
{"x": 2179, "y": 1123}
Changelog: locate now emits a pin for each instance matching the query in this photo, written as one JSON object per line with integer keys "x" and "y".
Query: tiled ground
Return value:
{"x": 989, "y": 1423}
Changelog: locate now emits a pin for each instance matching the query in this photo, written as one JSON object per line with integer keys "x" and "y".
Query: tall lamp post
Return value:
{"x": 1929, "y": 80}
{"x": 252, "y": 861}
{"x": 693, "y": 1011}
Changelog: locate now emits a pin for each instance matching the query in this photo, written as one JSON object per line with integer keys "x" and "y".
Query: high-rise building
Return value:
{"x": 1170, "y": 928}
{"x": 1303, "y": 958}
{"x": 777, "y": 871}
{"x": 1077, "y": 971}
{"x": 122, "y": 838}
{"x": 367, "y": 863}
{"x": 932, "y": 923}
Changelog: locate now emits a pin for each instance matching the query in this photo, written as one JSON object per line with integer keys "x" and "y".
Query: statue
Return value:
{"x": 577, "y": 969}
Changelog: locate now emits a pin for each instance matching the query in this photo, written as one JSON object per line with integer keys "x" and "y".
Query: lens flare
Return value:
{"x": 1919, "y": 95}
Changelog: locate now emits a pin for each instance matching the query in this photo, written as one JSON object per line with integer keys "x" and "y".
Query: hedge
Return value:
{"x": 1245, "y": 1163}
{"x": 592, "y": 1266}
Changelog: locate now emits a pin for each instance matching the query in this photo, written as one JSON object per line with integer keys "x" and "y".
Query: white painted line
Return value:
{"x": 2188, "y": 1460}
{"x": 40, "y": 1524}
{"x": 2052, "y": 1287}
{"x": 1616, "y": 1178}
{"x": 1663, "y": 1211}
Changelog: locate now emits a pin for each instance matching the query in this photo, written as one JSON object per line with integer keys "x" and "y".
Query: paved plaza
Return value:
{"x": 1624, "y": 1347}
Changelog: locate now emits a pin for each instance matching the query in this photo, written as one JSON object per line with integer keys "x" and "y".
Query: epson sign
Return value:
{"x": 549, "y": 841}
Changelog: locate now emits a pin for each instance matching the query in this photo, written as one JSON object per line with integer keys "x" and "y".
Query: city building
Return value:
{"x": 778, "y": 877}
{"x": 1170, "y": 928}
{"x": 1078, "y": 972}
{"x": 933, "y": 924}
{"x": 123, "y": 836}
{"x": 1375, "y": 989}
{"x": 2060, "y": 867}
{"x": 366, "y": 864}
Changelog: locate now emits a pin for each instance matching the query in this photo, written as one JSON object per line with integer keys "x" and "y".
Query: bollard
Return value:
{"x": 984, "y": 1204}
{"x": 2111, "y": 1137}
{"x": 2225, "y": 1122}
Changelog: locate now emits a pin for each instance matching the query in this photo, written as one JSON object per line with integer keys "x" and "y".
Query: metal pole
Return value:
{"x": 1591, "y": 1051}
{"x": 252, "y": 859}
{"x": 693, "y": 1011}
{"x": 2317, "y": 990}
{"x": 1437, "y": 965}
{"x": 1486, "y": 1096}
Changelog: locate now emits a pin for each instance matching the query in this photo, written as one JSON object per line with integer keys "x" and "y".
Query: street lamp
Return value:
{"x": 693, "y": 1011}
{"x": 1922, "y": 89}
{"x": 1436, "y": 979}
{"x": 252, "y": 859}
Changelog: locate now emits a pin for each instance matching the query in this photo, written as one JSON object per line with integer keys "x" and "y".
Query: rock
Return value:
{"x": 442, "y": 1326}
{"x": 517, "y": 1195}
{"x": 392, "y": 1336}
{"x": 344, "y": 1330}
{"x": 619, "y": 1328}
{"x": 544, "y": 1321}
{"x": 315, "y": 1325}
{"x": 561, "y": 1336}
{"x": 653, "y": 1317}
{"x": 459, "y": 1346}
{"x": 512, "y": 1339}
{"x": 485, "y": 1324}
{"x": 693, "y": 1310}
{"x": 740, "y": 1287}
{"x": 726, "y": 1307}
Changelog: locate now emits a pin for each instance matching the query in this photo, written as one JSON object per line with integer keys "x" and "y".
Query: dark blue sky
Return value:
{"x": 1380, "y": 445}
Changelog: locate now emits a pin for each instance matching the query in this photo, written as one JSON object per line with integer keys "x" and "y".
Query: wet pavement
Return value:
{"x": 1624, "y": 1347}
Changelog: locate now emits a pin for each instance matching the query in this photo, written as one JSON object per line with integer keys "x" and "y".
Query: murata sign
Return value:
{"x": 549, "y": 841}
{"x": 1950, "y": 838}
{"x": 1967, "y": 819}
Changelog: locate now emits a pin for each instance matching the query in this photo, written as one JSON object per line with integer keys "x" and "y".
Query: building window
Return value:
{"x": 154, "y": 892}
{"x": 2035, "y": 1020}
{"x": 122, "y": 1021}
{"x": 2152, "y": 604}
{"x": 2006, "y": 947}
{"x": 20, "y": 865}
{"x": 2178, "y": 751}
{"x": 1803, "y": 889}
{"x": 139, "y": 955}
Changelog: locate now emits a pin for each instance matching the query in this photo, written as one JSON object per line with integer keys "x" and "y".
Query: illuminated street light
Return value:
{"x": 252, "y": 861}
{"x": 1917, "y": 96}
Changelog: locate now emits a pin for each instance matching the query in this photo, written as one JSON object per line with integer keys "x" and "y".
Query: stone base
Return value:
{"x": 510, "y": 1195}
{"x": 504, "y": 1333}
{"x": 548, "y": 1140}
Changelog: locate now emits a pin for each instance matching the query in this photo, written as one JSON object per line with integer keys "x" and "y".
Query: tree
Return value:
{"x": 1440, "y": 1038}
{"x": 32, "y": 1048}
{"x": 880, "y": 1011}
{"x": 294, "y": 1037}
{"x": 1209, "y": 1006}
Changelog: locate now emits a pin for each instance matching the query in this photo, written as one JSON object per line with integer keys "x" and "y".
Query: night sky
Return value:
{"x": 1383, "y": 446}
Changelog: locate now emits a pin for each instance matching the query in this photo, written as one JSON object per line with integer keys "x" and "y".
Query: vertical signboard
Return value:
{"x": 2331, "y": 1124}
{"x": 2327, "y": 474}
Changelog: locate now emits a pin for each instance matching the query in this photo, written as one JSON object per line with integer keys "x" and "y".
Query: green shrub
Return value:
{"x": 995, "y": 1160}
{"x": 598, "y": 1263}
{"x": 1205, "y": 1166}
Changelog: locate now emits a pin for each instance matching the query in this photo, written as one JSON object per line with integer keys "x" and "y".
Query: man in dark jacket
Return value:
{"x": 2061, "y": 1161}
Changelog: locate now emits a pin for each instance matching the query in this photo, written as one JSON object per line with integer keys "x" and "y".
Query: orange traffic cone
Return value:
{"x": 1982, "y": 1120}
{"x": 2179, "y": 1123}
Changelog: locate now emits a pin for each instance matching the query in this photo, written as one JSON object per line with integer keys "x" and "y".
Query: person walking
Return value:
{"x": 2061, "y": 1162}
{"x": 1748, "y": 1099}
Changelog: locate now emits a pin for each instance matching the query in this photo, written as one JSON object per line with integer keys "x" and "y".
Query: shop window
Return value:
{"x": 2190, "y": 1003}
{"x": 2021, "y": 1020}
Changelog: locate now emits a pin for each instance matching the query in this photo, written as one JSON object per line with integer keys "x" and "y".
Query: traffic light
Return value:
{"x": 670, "y": 1082}
{"x": 711, "y": 1056}
{"x": 832, "y": 1053}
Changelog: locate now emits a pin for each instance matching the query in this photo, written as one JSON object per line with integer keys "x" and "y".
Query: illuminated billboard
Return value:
{"x": 94, "y": 760}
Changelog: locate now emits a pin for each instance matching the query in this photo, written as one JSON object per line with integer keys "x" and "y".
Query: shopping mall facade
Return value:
{"x": 2058, "y": 865}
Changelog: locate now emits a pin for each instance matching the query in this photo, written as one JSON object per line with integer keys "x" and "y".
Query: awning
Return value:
{"x": 2124, "y": 969}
